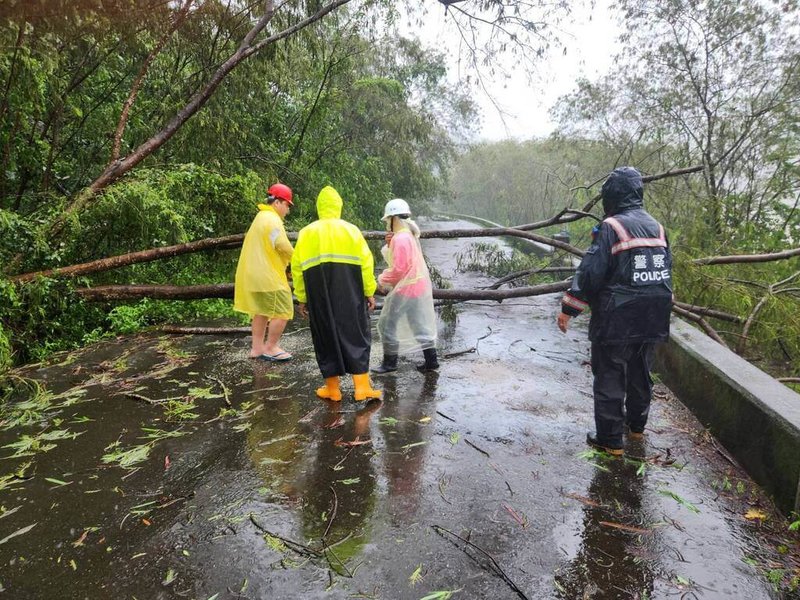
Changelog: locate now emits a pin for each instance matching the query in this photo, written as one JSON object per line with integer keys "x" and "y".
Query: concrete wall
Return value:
{"x": 756, "y": 418}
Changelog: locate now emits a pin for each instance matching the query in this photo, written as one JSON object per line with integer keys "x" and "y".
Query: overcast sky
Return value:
{"x": 590, "y": 37}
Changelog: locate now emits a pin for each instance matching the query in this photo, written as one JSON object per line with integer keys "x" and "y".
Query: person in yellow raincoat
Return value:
{"x": 334, "y": 281}
{"x": 262, "y": 289}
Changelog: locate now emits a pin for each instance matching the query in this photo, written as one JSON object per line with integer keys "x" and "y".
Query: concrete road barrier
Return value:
{"x": 756, "y": 418}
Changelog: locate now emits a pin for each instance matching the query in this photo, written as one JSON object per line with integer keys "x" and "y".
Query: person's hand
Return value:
{"x": 563, "y": 321}
{"x": 388, "y": 237}
{"x": 301, "y": 308}
{"x": 370, "y": 302}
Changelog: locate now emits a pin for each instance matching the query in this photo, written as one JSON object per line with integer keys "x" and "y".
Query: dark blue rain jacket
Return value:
{"x": 626, "y": 275}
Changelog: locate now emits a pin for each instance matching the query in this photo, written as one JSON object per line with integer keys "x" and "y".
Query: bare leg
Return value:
{"x": 259, "y": 329}
{"x": 274, "y": 332}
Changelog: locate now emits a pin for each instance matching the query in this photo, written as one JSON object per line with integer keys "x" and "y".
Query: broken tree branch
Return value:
{"x": 126, "y": 107}
{"x": 528, "y": 272}
{"x": 247, "y": 48}
{"x": 567, "y": 215}
{"x": 747, "y": 258}
{"x": 494, "y": 566}
{"x": 710, "y": 312}
{"x": 773, "y": 290}
{"x": 204, "y": 330}
{"x": 710, "y": 331}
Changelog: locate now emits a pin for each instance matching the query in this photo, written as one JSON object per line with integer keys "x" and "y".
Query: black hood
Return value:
{"x": 622, "y": 191}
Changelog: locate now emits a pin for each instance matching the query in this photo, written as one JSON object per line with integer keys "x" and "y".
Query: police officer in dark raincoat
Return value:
{"x": 626, "y": 279}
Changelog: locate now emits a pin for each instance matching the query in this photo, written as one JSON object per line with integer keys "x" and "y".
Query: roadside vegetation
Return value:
{"x": 86, "y": 87}
{"x": 713, "y": 84}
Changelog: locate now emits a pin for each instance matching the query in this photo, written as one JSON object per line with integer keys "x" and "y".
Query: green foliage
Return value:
{"x": 774, "y": 340}
{"x": 8, "y": 300}
{"x": 44, "y": 316}
{"x": 322, "y": 107}
{"x": 5, "y": 351}
{"x": 491, "y": 259}
{"x": 164, "y": 207}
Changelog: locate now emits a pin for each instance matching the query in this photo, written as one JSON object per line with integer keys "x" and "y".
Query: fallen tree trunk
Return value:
{"x": 108, "y": 293}
{"x": 235, "y": 241}
{"x": 123, "y": 260}
{"x": 500, "y": 231}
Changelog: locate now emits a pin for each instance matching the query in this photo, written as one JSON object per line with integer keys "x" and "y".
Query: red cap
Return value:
{"x": 281, "y": 192}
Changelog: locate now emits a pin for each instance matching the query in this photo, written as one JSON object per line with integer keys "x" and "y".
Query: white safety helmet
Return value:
{"x": 396, "y": 207}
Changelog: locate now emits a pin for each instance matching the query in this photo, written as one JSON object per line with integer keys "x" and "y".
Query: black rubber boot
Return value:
{"x": 388, "y": 365}
{"x": 431, "y": 361}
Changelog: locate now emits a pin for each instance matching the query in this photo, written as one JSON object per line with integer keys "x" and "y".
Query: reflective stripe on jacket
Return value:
{"x": 626, "y": 279}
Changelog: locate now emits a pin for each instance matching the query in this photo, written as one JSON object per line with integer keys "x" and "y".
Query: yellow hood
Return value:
{"x": 329, "y": 204}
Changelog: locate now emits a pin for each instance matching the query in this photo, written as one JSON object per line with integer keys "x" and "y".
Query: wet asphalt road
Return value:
{"x": 181, "y": 469}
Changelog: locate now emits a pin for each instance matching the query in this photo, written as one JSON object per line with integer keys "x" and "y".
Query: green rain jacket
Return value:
{"x": 333, "y": 273}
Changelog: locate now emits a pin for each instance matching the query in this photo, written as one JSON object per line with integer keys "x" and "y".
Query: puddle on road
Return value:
{"x": 175, "y": 467}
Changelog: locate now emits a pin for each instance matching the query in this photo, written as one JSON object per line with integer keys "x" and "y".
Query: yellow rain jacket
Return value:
{"x": 261, "y": 284}
{"x": 333, "y": 273}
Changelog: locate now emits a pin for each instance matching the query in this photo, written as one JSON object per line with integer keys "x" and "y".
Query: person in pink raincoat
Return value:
{"x": 408, "y": 321}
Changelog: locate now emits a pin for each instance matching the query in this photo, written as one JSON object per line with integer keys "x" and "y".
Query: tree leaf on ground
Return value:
{"x": 170, "y": 577}
{"x": 630, "y": 528}
{"x": 416, "y": 576}
{"x": 16, "y": 533}
{"x": 582, "y": 499}
{"x": 441, "y": 595}
{"x": 335, "y": 424}
{"x": 408, "y": 446}
{"x": 356, "y": 442}
{"x": 10, "y": 511}
{"x": 679, "y": 500}
{"x": 58, "y": 482}
{"x": 755, "y": 515}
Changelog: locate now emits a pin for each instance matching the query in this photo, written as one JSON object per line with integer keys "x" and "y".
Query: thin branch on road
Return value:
{"x": 493, "y": 567}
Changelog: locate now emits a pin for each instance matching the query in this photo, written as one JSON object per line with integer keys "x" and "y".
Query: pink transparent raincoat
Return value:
{"x": 408, "y": 321}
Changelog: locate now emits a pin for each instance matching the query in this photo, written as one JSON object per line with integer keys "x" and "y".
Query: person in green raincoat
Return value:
{"x": 334, "y": 281}
{"x": 262, "y": 289}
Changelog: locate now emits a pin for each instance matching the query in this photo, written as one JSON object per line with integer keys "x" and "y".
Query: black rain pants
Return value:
{"x": 622, "y": 389}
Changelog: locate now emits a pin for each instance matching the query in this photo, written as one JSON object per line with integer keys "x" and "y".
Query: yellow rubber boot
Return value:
{"x": 331, "y": 389}
{"x": 364, "y": 389}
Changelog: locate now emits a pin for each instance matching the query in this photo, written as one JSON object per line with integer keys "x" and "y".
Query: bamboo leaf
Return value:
{"x": 17, "y": 532}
